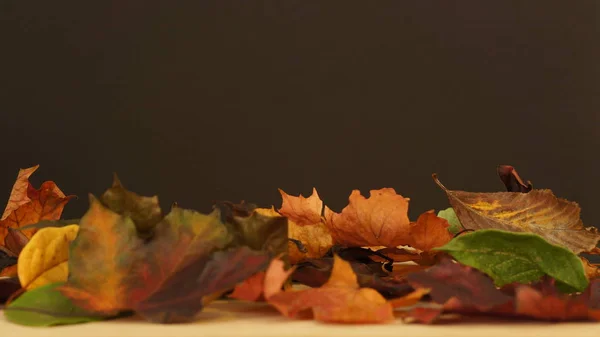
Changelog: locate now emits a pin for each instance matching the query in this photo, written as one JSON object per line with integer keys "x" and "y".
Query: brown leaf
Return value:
{"x": 410, "y": 299}
{"x": 264, "y": 284}
{"x": 592, "y": 271}
{"x": 302, "y": 211}
{"x": 309, "y": 236}
{"x": 15, "y": 240}
{"x": 539, "y": 212}
{"x": 340, "y": 300}
{"x": 548, "y": 304}
{"x": 18, "y": 195}
{"x": 430, "y": 231}
{"x": 449, "y": 279}
{"x": 316, "y": 272}
{"x": 28, "y": 205}
{"x": 380, "y": 220}
{"x": 512, "y": 181}
{"x": 167, "y": 277}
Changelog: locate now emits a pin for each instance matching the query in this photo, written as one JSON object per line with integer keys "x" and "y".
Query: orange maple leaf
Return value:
{"x": 380, "y": 220}
{"x": 340, "y": 300}
{"x": 27, "y": 205}
{"x": 305, "y": 225}
{"x": 263, "y": 285}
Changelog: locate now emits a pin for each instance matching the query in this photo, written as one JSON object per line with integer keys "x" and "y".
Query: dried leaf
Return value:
{"x": 316, "y": 272}
{"x": 306, "y": 226}
{"x": 18, "y": 195}
{"x": 592, "y": 271}
{"x": 548, "y": 304}
{"x": 8, "y": 286}
{"x": 7, "y": 258}
{"x": 510, "y": 257}
{"x": 539, "y": 211}
{"x": 340, "y": 300}
{"x": 263, "y": 285}
{"x": 167, "y": 277}
{"x": 44, "y": 259}
{"x": 512, "y": 181}
{"x": 15, "y": 240}
{"x": 28, "y": 205}
{"x": 380, "y": 220}
{"x": 410, "y": 299}
{"x": 259, "y": 229}
{"x": 302, "y": 211}
{"x": 9, "y": 271}
{"x": 448, "y": 280}
{"x": 430, "y": 231}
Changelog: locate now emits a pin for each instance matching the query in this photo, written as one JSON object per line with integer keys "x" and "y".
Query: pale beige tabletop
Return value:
{"x": 258, "y": 320}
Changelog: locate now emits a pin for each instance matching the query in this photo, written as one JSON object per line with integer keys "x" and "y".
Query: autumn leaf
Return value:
{"x": 340, "y": 300}
{"x": 512, "y": 181}
{"x": 15, "y": 240}
{"x": 428, "y": 232}
{"x": 469, "y": 286}
{"x": 510, "y": 257}
{"x": 302, "y": 211}
{"x": 44, "y": 259}
{"x": 548, "y": 304}
{"x": 309, "y": 236}
{"x": 166, "y": 277}
{"x": 262, "y": 285}
{"x": 380, "y": 220}
{"x": 8, "y": 286}
{"x": 259, "y": 229}
{"x": 316, "y": 272}
{"x": 592, "y": 271}
{"x": 539, "y": 212}
{"x": 28, "y": 205}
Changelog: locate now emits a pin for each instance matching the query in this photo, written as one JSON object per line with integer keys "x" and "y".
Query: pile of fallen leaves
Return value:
{"x": 510, "y": 254}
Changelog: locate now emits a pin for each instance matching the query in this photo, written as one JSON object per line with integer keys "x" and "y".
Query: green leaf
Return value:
{"x": 450, "y": 216}
{"x": 46, "y": 306}
{"x": 518, "y": 257}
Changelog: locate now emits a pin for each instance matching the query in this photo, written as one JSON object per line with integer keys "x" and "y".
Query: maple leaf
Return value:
{"x": 380, "y": 220}
{"x": 256, "y": 228}
{"x": 309, "y": 236}
{"x": 28, "y": 206}
{"x": 166, "y": 277}
{"x": 512, "y": 180}
{"x": 15, "y": 240}
{"x": 539, "y": 211}
{"x": 262, "y": 285}
{"x": 340, "y": 300}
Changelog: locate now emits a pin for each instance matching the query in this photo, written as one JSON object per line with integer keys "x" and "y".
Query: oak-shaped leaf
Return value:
{"x": 380, "y": 220}
{"x": 258, "y": 229}
{"x": 167, "y": 276}
{"x": 28, "y": 205}
{"x": 262, "y": 285}
{"x": 309, "y": 236}
{"x": 509, "y": 257}
{"x": 539, "y": 212}
{"x": 512, "y": 181}
{"x": 339, "y": 300}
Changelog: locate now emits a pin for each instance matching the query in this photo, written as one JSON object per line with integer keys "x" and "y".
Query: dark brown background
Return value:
{"x": 203, "y": 100}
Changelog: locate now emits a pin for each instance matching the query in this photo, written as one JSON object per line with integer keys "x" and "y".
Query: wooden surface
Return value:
{"x": 253, "y": 319}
